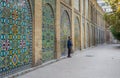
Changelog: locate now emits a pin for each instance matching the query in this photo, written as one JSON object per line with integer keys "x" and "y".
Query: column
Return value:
{"x": 37, "y": 33}
{"x": 57, "y": 24}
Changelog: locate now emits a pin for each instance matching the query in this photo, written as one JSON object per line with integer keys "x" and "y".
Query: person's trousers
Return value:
{"x": 69, "y": 52}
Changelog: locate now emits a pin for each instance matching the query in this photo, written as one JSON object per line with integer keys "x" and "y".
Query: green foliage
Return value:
{"x": 113, "y": 18}
{"x": 115, "y": 33}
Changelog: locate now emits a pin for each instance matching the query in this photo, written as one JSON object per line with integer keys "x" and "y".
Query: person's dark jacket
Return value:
{"x": 69, "y": 44}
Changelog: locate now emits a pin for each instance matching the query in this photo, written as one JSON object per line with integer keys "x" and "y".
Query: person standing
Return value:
{"x": 69, "y": 46}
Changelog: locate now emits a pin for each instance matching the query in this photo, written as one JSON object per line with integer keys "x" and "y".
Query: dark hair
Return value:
{"x": 69, "y": 37}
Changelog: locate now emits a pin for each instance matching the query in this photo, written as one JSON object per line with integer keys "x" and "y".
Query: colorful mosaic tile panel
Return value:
{"x": 15, "y": 36}
{"x": 48, "y": 30}
{"x": 65, "y": 31}
{"x": 77, "y": 33}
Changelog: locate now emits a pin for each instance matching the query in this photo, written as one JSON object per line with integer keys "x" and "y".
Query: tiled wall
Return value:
{"x": 15, "y": 36}
{"x": 48, "y": 30}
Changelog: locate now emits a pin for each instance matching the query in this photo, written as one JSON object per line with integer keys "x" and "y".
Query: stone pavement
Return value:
{"x": 99, "y": 62}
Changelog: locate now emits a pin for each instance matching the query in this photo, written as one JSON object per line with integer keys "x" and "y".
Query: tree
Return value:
{"x": 113, "y": 18}
{"x": 115, "y": 33}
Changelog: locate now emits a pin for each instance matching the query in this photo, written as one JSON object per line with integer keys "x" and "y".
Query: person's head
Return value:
{"x": 69, "y": 37}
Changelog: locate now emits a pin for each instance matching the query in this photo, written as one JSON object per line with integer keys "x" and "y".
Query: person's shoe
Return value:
{"x": 69, "y": 56}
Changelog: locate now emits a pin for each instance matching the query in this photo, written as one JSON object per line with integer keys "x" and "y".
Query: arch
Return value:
{"x": 15, "y": 35}
{"x": 77, "y": 18}
{"x": 91, "y": 35}
{"x": 66, "y": 12}
{"x": 96, "y": 36}
{"x": 88, "y": 35}
{"x": 65, "y": 31}
{"x": 77, "y": 33}
{"x": 83, "y": 32}
{"x": 31, "y": 4}
{"x": 48, "y": 4}
{"x": 48, "y": 33}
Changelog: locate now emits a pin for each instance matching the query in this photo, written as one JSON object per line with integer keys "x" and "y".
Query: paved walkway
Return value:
{"x": 99, "y": 62}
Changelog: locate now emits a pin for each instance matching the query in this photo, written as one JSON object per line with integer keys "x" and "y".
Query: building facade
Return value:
{"x": 35, "y": 31}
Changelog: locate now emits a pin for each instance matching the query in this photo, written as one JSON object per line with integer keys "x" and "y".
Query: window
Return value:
{"x": 77, "y": 4}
